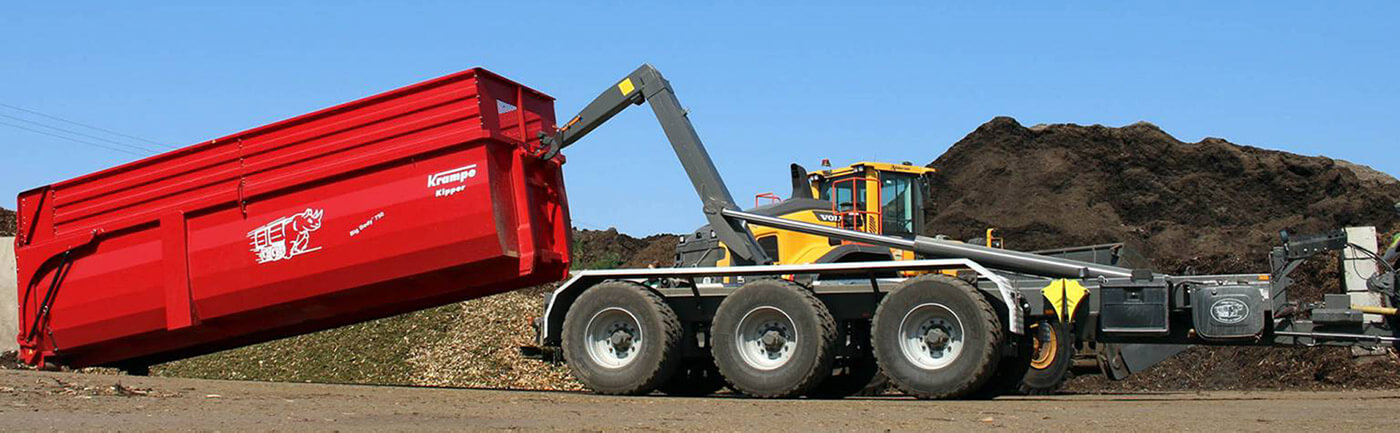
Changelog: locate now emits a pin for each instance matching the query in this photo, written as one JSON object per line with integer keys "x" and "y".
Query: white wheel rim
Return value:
{"x": 766, "y": 338}
{"x": 614, "y": 337}
{"x": 931, "y": 336}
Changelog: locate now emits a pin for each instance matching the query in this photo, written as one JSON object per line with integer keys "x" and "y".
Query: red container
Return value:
{"x": 409, "y": 199}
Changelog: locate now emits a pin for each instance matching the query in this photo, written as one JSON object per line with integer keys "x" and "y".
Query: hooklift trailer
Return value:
{"x": 963, "y": 320}
{"x": 452, "y": 189}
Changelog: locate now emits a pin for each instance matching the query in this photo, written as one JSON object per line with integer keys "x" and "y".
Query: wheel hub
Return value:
{"x": 931, "y": 336}
{"x": 766, "y": 338}
{"x": 614, "y": 338}
{"x": 1044, "y": 346}
{"x": 773, "y": 340}
{"x": 621, "y": 340}
{"x": 936, "y": 339}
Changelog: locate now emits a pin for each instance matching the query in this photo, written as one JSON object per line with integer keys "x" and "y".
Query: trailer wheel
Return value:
{"x": 1011, "y": 371}
{"x": 937, "y": 337}
{"x": 1051, "y": 356}
{"x": 620, "y": 338}
{"x": 694, "y": 378}
{"x": 1006, "y": 380}
{"x": 1042, "y": 362}
{"x": 773, "y": 339}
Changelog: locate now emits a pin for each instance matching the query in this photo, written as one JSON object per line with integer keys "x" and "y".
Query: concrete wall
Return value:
{"x": 9, "y": 296}
{"x": 1358, "y": 266}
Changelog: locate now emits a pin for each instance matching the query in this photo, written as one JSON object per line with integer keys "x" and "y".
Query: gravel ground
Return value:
{"x": 35, "y": 401}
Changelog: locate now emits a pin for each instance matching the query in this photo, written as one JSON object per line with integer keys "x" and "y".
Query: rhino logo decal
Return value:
{"x": 286, "y": 237}
{"x": 1229, "y": 311}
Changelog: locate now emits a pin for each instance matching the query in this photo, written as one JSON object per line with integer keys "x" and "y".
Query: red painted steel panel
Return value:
{"x": 409, "y": 199}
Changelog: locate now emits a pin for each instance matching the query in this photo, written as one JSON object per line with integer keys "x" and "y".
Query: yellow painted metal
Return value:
{"x": 1371, "y": 309}
{"x": 626, "y": 86}
{"x": 794, "y": 247}
{"x": 992, "y": 240}
{"x": 862, "y": 167}
{"x": 1064, "y": 296}
{"x": 800, "y": 248}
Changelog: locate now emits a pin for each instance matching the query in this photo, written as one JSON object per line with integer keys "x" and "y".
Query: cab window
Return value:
{"x": 770, "y": 246}
{"x": 897, "y": 196}
{"x": 842, "y": 188}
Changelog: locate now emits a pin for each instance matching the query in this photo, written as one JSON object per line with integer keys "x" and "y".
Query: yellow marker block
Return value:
{"x": 1064, "y": 296}
{"x": 626, "y": 86}
{"x": 1368, "y": 309}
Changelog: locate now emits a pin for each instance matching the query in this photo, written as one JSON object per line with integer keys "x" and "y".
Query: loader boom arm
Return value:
{"x": 730, "y": 223}
{"x": 647, "y": 85}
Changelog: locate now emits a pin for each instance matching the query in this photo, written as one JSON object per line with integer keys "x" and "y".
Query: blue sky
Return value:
{"x": 766, "y": 84}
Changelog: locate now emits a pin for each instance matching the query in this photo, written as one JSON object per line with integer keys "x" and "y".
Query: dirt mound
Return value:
{"x": 1206, "y": 207}
{"x": 606, "y": 249}
{"x": 372, "y": 352}
{"x": 473, "y": 343}
{"x": 482, "y": 347}
{"x": 1172, "y": 201}
{"x": 7, "y": 222}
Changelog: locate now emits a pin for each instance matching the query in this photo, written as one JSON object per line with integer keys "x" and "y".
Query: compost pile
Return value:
{"x": 1207, "y": 207}
{"x": 608, "y": 249}
{"x": 7, "y": 222}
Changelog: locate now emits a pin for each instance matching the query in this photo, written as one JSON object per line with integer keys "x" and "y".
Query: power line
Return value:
{"x": 72, "y": 139}
{"x": 60, "y": 119}
{"x": 94, "y": 137}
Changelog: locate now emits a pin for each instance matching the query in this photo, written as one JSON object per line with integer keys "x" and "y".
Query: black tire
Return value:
{"x": 1010, "y": 372}
{"x": 856, "y": 373}
{"x": 808, "y": 350}
{"x": 652, "y": 361}
{"x": 696, "y": 377}
{"x": 1051, "y": 357}
{"x": 135, "y": 369}
{"x": 980, "y": 338}
{"x": 861, "y": 378}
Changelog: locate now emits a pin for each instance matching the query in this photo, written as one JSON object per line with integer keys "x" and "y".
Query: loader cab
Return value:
{"x": 875, "y": 197}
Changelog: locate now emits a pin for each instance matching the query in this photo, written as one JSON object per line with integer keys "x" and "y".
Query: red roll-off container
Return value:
{"x": 409, "y": 199}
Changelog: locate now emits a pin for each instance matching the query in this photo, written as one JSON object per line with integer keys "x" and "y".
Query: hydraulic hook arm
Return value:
{"x": 647, "y": 85}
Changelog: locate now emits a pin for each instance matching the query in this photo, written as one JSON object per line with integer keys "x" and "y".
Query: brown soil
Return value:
{"x": 1210, "y": 206}
{"x": 1207, "y": 207}
{"x": 606, "y": 249}
{"x": 7, "y": 222}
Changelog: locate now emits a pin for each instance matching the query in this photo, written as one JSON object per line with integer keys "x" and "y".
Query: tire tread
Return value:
{"x": 821, "y": 369}
{"x": 671, "y": 334}
{"x": 986, "y": 367}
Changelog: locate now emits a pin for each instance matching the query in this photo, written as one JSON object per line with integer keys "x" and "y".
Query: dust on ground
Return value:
{"x": 38, "y": 401}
